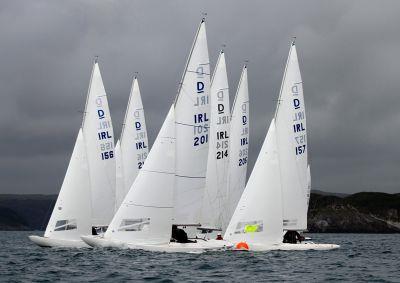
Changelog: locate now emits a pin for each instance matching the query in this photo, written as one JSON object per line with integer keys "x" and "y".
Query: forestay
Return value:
{"x": 145, "y": 215}
{"x": 257, "y": 219}
{"x": 192, "y": 112}
{"x": 71, "y": 215}
{"x": 119, "y": 177}
{"x": 291, "y": 128}
{"x": 215, "y": 198}
{"x": 238, "y": 145}
{"x": 133, "y": 143}
{"x": 308, "y": 186}
{"x": 99, "y": 138}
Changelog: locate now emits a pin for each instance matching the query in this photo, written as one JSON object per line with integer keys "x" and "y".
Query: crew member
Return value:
{"x": 179, "y": 235}
{"x": 292, "y": 237}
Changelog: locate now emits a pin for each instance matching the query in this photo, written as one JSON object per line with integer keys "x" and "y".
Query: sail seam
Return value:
{"x": 151, "y": 206}
{"x": 191, "y": 177}
{"x": 161, "y": 172}
{"x": 192, "y": 125}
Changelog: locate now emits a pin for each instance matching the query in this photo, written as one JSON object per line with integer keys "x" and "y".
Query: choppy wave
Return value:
{"x": 362, "y": 257}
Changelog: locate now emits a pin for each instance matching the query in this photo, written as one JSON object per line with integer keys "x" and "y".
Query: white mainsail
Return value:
{"x": 71, "y": 215}
{"x": 238, "y": 145}
{"x": 145, "y": 215}
{"x": 192, "y": 112}
{"x": 257, "y": 219}
{"x": 133, "y": 143}
{"x": 99, "y": 139}
{"x": 291, "y": 132}
{"x": 215, "y": 198}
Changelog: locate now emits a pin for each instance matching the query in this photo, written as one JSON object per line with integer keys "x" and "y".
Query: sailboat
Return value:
{"x": 86, "y": 199}
{"x": 168, "y": 189}
{"x": 276, "y": 187}
{"x": 238, "y": 145}
{"x": 215, "y": 193}
{"x": 145, "y": 215}
{"x": 192, "y": 133}
{"x": 132, "y": 148}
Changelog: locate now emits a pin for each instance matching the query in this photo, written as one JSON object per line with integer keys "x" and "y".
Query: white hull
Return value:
{"x": 200, "y": 246}
{"x": 292, "y": 247}
{"x": 57, "y": 243}
{"x": 101, "y": 242}
{"x": 307, "y": 247}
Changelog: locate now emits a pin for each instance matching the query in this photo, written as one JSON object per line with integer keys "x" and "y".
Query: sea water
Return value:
{"x": 362, "y": 257}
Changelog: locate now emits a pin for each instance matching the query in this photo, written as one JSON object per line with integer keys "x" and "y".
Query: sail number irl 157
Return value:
{"x": 299, "y": 119}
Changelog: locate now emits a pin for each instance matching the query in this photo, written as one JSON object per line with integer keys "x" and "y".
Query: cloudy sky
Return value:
{"x": 348, "y": 53}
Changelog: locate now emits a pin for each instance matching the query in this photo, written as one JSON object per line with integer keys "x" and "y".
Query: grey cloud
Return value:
{"x": 348, "y": 56}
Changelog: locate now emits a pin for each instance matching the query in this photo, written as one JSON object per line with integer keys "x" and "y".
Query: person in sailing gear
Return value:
{"x": 94, "y": 231}
{"x": 292, "y": 237}
{"x": 179, "y": 235}
{"x": 219, "y": 237}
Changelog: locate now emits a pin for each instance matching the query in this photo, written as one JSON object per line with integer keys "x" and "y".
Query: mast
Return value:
{"x": 284, "y": 77}
{"x": 127, "y": 108}
{"x": 96, "y": 58}
{"x": 240, "y": 82}
{"x": 203, "y": 20}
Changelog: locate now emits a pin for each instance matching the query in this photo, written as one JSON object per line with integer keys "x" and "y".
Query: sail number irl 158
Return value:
{"x": 104, "y": 133}
{"x": 107, "y": 155}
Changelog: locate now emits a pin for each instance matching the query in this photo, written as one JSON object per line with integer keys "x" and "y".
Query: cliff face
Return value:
{"x": 358, "y": 213}
{"x": 25, "y": 212}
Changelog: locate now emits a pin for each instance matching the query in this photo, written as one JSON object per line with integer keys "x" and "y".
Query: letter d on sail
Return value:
{"x": 296, "y": 103}
{"x": 100, "y": 113}
{"x": 221, "y": 108}
{"x": 244, "y": 120}
{"x": 200, "y": 87}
